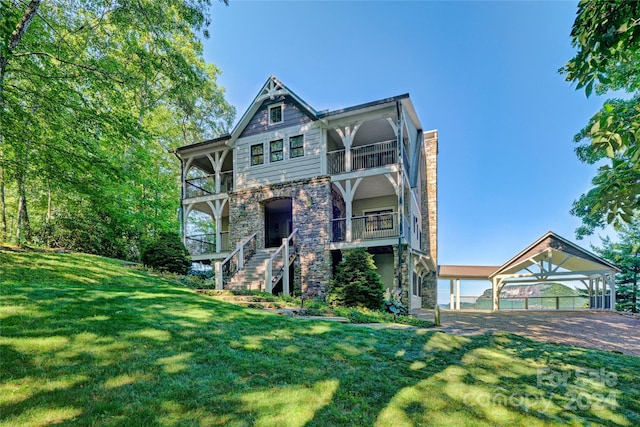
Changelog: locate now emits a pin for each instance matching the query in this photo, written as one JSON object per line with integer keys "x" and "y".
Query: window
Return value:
{"x": 257, "y": 154}
{"x": 276, "y": 150}
{"x": 379, "y": 220}
{"x": 296, "y": 146}
{"x": 275, "y": 114}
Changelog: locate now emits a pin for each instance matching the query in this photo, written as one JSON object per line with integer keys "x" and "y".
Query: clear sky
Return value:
{"x": 484, "y": 73}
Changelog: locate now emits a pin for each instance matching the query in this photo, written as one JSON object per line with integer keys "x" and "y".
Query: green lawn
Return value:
{"x": 87, "y": 341}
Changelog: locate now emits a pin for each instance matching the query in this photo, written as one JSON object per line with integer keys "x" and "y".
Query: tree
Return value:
{"x": 607, "y": 37}
{"x": 93, "y": 93}
{"x": 356, "y": 283}
{"x": 626, "y": 255}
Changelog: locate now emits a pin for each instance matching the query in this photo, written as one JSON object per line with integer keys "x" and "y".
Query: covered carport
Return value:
{"x": 551, "y": 258}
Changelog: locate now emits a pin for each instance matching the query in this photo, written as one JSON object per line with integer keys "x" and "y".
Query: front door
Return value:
{"x": 277, "y": 222}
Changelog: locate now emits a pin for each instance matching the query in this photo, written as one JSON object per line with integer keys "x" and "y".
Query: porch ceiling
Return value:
{"x": 374, "y": 186}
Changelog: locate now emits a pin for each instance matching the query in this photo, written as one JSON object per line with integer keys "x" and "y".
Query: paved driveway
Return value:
{"x": 591, "y": 329}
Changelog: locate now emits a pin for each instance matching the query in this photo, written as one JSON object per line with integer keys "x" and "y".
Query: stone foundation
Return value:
{"x": 311, "y": 211}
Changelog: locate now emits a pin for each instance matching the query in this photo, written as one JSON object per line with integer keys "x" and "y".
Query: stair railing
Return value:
{"x": 235, "y": 261}
{"x": 278, "y": 265}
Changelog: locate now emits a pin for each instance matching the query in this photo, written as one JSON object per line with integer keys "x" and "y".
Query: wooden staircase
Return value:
{"x": 251, "y": 277}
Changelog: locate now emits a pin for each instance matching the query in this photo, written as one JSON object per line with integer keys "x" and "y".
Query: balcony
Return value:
{"x": 206, "y": 185}
{"x": 364, "y": 157}
{"x": 203, "y": 244}
{"x": 368, "y": 227}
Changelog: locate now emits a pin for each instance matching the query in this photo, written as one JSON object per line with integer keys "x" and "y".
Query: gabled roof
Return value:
{"x": 553, "y": 245}
{"x": 271, "y": 89}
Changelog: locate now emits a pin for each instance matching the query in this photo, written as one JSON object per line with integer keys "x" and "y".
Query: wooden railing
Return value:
{"x": 206, "y": 185}
{"x": 364, "y": 157}
{"x": 202, "y": 244}
{"x": 201, "y": 186}
{"x": 277, "y": 266}
{"x": 366, "y": 227}
{"x": 235, "y": 262}
{"x": 226, "y": 181}
{"x": 374, "y": 155}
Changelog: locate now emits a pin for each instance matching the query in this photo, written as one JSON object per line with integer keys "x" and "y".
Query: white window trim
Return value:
{"x": 281, "y": 106}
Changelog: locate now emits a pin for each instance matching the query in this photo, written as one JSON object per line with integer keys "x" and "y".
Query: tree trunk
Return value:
{"x": 24, "y": 227}
{"x": 3, "y": 208}
{"x": 16, "y": 36}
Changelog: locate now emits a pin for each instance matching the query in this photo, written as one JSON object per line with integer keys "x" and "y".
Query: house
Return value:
{"x": 273, "y": 204}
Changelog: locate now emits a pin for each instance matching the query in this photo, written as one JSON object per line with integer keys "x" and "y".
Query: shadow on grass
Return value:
{"x": 88, "y": 341}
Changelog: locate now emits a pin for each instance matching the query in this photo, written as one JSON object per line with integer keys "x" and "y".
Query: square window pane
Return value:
{"x": 296, "y": 145}
{"x": 275, "y": 114}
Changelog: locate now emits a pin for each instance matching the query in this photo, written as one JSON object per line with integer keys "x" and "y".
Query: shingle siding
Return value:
{"x": 292, "y": 115}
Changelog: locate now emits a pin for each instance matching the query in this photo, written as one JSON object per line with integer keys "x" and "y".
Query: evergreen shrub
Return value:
{"x": 356, "y": 282}
{"x": 167, "y": 253}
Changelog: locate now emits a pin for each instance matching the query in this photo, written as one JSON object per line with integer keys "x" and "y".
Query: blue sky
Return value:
{"x": 484, "y": 73}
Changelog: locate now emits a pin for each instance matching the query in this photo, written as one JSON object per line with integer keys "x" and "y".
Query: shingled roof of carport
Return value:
{"x": 466, "y": 272}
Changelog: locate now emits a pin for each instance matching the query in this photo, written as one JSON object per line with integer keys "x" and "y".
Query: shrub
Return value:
{"x": 356, "y": 283}
{"x": 167, "y": 253}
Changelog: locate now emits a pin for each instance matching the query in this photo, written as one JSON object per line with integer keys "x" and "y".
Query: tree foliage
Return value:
{"x": 356, "y": 283}
{"x": 607, "y": 37}
{"x": 625, "y": 253}
{"x": 93, "y": 93}
{"x": 167, "y": 253}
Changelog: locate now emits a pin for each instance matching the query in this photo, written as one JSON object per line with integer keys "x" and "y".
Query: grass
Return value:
{"x": 87, "y": 341}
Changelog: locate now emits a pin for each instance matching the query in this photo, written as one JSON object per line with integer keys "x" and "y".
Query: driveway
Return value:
{"x": 591, "y": 329}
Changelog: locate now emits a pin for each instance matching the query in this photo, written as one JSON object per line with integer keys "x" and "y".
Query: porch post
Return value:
{"x": 457, "y": 294}
{"x": 348, "y": 191}
{"x": 597, "y": 298}
{"x": 267, "y": 276}
{"x": 218, "y": 270}
{"x": 218, "y": 234}
{"x": 347, "y": 136}
{"x": 285, "y": 270}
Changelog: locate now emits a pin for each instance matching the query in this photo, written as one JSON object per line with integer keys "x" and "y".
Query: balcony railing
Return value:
{"x": 364, "y": 157}
{"x": 368, "y": 227}
{"x": 206, "y": 185}
{"x": 203, "y": 244}
{"x": 201, "y": 186}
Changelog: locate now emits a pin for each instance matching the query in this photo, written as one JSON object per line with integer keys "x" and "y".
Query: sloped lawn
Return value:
{"x": 87, "y": 341}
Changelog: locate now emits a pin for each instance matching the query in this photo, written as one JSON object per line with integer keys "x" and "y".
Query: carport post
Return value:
{"x": 612, "y": 284}
{"x": 451, "y": 294}
{"x": 457, "y": 294}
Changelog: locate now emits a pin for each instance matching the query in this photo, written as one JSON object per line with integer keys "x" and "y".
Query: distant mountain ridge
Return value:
{"x": 535, "y": 290}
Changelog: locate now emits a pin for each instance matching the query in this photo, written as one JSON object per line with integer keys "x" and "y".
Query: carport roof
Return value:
{"x": 557, "y": 250}
{"x": 467, "y": 272}
{"x": 548, "y": 248}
